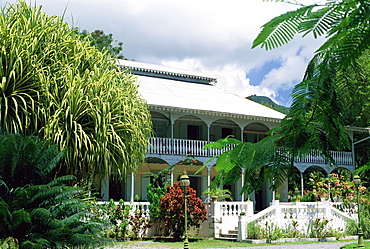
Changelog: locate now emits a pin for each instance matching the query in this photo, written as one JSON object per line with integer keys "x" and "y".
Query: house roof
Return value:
{"x": 178, "y": 89}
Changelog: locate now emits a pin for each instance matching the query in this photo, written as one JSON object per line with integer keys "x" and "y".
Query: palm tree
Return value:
{"x": 57, "y": 86}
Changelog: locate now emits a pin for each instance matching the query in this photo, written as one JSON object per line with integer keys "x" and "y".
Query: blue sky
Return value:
{"x": 209, "y": 36}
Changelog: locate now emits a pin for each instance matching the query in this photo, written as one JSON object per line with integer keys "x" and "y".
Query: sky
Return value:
{"x": 207, "y": 36}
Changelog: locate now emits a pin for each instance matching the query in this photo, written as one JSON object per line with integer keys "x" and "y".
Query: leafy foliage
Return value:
{"x": 104, "y": 42}
{"x": 38, "y": 211}
{"x": 221, "y": 194}
{"x": 260, "y": 161}
{"x": 124, "y": 220}
{"x": 27, "y": 160}
{"x": 172, "y": 210}
{"x": 321, "y": 102}
{"x": 59, "y": 87}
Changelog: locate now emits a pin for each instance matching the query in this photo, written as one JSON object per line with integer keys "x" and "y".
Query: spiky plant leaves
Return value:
{"x": 61, "y": 88}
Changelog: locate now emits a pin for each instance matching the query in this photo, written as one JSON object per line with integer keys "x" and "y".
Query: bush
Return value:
{"x": 254, "y": 231}
{"x": 36, "y": 212}
{"x": 172, "y": 210}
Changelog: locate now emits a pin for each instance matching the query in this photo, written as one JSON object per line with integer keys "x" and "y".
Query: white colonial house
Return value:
{"x": 188, "y": 111}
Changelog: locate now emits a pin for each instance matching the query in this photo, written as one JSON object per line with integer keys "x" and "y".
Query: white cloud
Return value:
{"x": 210, "y": 36}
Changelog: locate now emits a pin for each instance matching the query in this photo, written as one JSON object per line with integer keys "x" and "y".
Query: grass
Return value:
{"x": 354, "y": 245}
{"x": 203, "y": 244}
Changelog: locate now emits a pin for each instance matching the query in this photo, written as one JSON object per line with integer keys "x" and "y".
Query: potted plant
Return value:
{"x": 218, "y": 194}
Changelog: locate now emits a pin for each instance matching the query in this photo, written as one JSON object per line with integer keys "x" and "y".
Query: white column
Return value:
{"x": 209, "y": 132}
{"x": 171, "y": 177}
{"x": 104, "y": 189}
{"x": 208, "y": 175}
{"x": 353, "y": 152}
{"x": 302, "y": 187}
{"x": 132, "y": 187}
{"x": 329, "y": 186}
{"x": 242, "y": 183}
{"x": 172, "y": 127}
{"x": 172, "y": 144}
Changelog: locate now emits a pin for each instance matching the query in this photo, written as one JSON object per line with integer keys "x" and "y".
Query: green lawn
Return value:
{"x": 354, "y": 245}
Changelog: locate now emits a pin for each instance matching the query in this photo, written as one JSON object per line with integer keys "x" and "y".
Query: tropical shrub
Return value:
{"x": 118, "y": 217}
{"x": 36, "y": 212}
{"x": 172, "y": 210}
{"x": 254, "y": 231}
{"x": 124, "y": 222}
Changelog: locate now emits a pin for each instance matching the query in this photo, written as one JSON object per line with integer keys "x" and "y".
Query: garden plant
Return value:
{"x": 172, "y": 210}
{"x": 36, "y": 209}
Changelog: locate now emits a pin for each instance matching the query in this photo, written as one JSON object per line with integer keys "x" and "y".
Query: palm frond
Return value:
{"x": 21, "y": 219}
{"x": 281, "y": 29}
{"x": 321, "y": 21}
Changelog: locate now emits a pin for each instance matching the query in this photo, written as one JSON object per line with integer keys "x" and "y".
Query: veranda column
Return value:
{"x": 104, "y": 189}
{"x": 329, "y": 185}
{"x": 302, "y": 187}
{"x": 242, "y": 183}
{"x": 132, "y": 187}
{"x": 171, "y": 177}
{"x": 208, "y": 137}
{"x": 209, "y": 175}
{"x": 172, "y": 144}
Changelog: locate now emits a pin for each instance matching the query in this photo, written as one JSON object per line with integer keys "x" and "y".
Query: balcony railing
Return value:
{"x": 176, "y": 146}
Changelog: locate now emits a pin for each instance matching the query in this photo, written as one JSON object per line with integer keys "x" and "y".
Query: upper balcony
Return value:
{"x": 175, "y": 146}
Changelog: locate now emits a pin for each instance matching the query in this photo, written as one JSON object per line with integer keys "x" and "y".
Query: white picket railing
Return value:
{"x": 135, "y": 206}
{"x": 304, "y": 213}
{"x": 175, "y": 146}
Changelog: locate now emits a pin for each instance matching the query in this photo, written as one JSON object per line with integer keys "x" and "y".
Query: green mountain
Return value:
{"x": 269, "y": 103}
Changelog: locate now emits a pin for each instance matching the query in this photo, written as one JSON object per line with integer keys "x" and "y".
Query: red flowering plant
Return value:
{"x": 337, "y": 189}
{"x": 172, "y": 210}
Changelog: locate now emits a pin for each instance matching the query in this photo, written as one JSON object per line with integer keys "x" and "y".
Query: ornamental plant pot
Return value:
{"x": 214, "y": 198}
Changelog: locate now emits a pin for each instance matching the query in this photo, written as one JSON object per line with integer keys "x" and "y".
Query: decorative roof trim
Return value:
{"x": 213, "y": 113}
{"x": 167, "y": 74}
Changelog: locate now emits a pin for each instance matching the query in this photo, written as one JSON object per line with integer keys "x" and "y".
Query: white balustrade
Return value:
{"x": 176, "y": 146}
{"x": 135, "y": 206}
{"x": 283, "y": 214}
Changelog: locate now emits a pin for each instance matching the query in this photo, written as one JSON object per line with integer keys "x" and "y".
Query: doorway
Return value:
{"x": 194, "y": 132}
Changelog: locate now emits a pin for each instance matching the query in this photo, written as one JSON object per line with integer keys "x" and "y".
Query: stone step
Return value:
{"x": 227, "y": 237}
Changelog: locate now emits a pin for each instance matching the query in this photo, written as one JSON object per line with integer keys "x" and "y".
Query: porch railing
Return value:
{"x": 176, "y": 146}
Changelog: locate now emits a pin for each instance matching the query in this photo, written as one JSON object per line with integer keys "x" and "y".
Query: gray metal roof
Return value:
{"x": 175, "y": 93}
